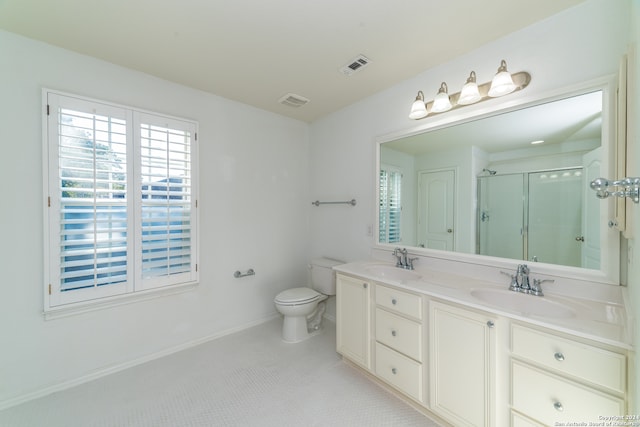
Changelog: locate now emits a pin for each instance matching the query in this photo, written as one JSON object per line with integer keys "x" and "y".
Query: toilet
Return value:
{"x": 304, "y": 307}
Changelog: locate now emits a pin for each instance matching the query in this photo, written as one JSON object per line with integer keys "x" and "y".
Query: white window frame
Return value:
{"x": 135, "y": 286}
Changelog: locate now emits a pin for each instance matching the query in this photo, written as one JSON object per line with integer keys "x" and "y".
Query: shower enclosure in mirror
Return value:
{"x": 480, "y": 187}
{"x": 544, "y": 221}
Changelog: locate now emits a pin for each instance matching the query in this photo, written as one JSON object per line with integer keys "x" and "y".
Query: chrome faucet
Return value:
{"x": 522, "y": 278}
{"x": 520, "y": 282}
{"x": 402, "y": 259}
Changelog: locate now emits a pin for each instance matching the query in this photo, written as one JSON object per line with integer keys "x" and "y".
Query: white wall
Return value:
{"x": 254, "y": 210}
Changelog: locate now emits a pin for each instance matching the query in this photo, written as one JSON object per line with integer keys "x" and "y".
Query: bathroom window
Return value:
{"x": 390, "y": 205}
{"x": 121, "y": 212}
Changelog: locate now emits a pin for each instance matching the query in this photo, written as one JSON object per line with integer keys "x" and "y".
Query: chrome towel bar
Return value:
{"x": 249, "y": 272}
{"x": 351, "y": 202}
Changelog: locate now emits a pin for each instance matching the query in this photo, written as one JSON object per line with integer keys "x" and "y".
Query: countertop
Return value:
{"x": 602, "y": 321}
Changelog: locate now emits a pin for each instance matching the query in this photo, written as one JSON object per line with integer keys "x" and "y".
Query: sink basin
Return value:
{"x": 528, "y": 305}
{"x": 392, "y": 273}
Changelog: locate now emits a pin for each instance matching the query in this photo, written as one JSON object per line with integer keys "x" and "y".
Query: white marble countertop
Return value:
{"x": 603, "y": 321}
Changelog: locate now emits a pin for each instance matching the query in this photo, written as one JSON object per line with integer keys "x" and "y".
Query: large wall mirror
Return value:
{"x": 508, "y": 185}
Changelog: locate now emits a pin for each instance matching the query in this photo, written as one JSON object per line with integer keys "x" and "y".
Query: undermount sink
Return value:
{"x": 525, "y": 304}
{"x": 393, "y": 273}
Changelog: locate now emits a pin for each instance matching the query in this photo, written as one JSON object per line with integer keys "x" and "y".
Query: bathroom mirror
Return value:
{"x": 487, "y": 188}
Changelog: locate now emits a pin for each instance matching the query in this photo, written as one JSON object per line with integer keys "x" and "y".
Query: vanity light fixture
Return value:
{"x": 503, "y": 83}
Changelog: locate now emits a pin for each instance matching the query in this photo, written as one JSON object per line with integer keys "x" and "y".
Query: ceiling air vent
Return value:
{"x": 293, "y": 100}
{"x": 357, "y": 64}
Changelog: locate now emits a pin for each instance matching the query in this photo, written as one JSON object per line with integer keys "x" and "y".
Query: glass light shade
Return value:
{"x": 469, "y": 93}
{"x": 441, "y": 102}
{"x": 419, "y": 108}
{"x": 502, "y": 83}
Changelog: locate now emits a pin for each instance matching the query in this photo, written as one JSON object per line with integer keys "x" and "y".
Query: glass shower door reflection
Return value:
{"x": 501, "y": 215}
{"x": 555, "y": 217}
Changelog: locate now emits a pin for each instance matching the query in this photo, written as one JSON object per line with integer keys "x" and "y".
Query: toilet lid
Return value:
{"x": 296, "y": 295}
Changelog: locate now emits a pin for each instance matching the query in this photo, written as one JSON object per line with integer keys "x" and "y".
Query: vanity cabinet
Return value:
{"x": 557, "y": 379}
{"x": 471, "y": 367}
{"x": 353, "y": 319}
{"x": 399, "y": 340}
{"x": 462, "y": 364}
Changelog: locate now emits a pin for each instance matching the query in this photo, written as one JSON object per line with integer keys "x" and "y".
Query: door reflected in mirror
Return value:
{"x": 482, "y": 187}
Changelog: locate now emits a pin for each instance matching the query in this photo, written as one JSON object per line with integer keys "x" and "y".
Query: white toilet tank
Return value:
{"x": 323, "y": 278}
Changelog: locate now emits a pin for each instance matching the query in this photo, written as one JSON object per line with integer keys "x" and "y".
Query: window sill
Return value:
{"x": 105, "y": 303}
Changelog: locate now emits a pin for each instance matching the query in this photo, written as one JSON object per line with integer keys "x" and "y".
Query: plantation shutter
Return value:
{"x": 166, "y": 205}
{"x": 390, "y": 207}
{"x": 93, "y": 253}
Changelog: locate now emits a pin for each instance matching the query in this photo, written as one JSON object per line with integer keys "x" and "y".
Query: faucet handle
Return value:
{"x": 536, "y": 289}
{"x": 513, "y": 286}
{"x": 410, "y": 262}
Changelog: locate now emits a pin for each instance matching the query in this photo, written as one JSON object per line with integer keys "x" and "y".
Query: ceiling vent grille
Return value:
{"x": 355, "y": 65}
{"x": 293, "y": 100}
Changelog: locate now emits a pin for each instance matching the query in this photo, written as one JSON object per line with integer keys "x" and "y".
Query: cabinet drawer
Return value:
{"x": 400, "y": 371}
{"x": 551, "y": 399}
{"x": 399, "y": 333}
{"x": 400, "y": 301}
{"x": 518, "y": 420}
{"x": 583, "y": 361}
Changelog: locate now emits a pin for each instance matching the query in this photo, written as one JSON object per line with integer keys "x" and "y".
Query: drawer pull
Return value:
{"x": 394, "y": 301}
{"x": 558, "y": 406}
{"x": 394, "y": 371}
{"x": 394, "y": 333}
{"x": 559, "y": 357}
{"x": 490, "y": 324}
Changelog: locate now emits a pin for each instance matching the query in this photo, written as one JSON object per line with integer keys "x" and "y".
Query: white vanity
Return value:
{"x": 473, "y": 353}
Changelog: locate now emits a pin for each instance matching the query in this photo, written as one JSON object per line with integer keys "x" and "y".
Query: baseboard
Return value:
{"x": 126, "y": 365}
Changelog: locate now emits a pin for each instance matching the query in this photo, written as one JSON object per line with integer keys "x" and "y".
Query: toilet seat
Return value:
{"x": 297, "y": 296}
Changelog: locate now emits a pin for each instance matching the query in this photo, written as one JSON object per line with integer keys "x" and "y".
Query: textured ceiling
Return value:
{"x": 256, "y": 51}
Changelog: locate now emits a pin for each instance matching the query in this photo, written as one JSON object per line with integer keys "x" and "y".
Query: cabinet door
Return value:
{"x": 462, "y": 365}
{"x": 353, "y": 323}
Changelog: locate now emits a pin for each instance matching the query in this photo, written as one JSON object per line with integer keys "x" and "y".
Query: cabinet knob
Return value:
{"x": 559, "y": 357}
{"x": 558, "y": 406}
{"x": 394, "y": 371}
{"x": 364, "y": 285}
{"x": 393, "y": 333}
{"x": 394, "y": 301}
{"x": 490, "y": 324}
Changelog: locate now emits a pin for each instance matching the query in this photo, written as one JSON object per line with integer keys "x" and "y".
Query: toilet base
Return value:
{"x": 295, "y": 329}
